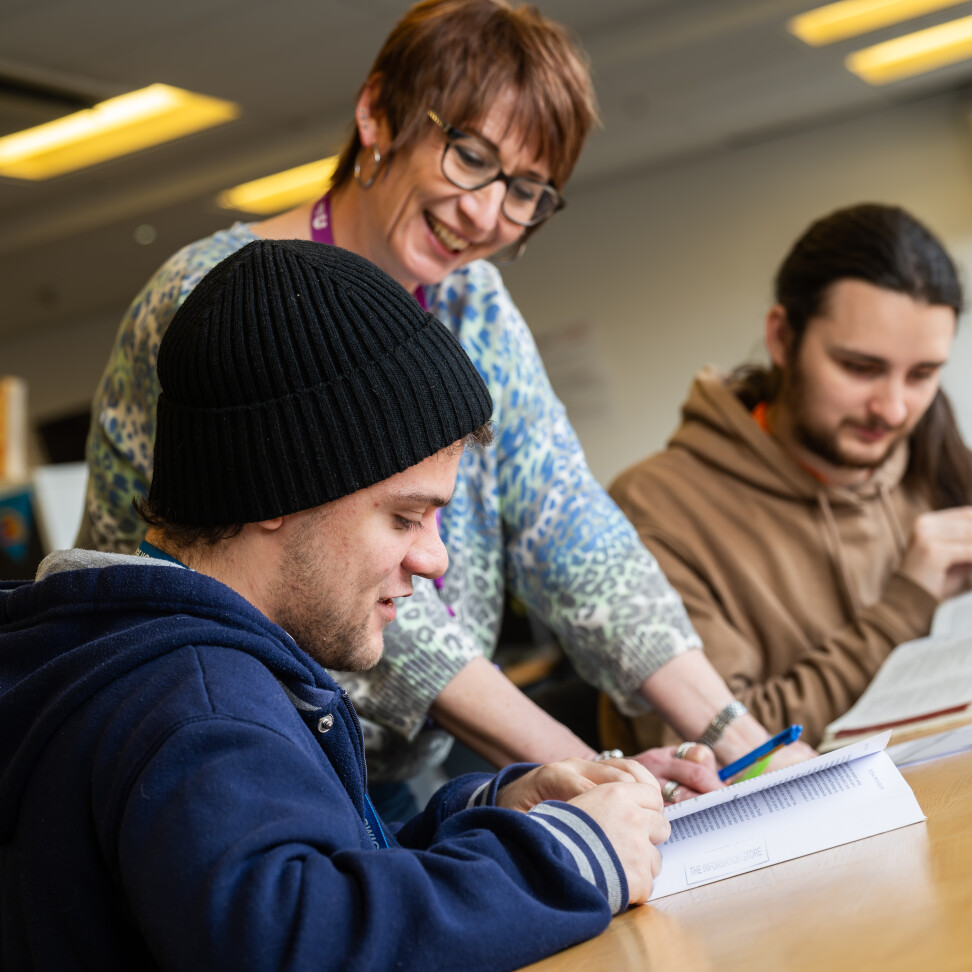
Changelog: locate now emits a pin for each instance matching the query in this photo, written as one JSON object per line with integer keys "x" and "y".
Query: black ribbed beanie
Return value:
{"x": 296, "y": 373}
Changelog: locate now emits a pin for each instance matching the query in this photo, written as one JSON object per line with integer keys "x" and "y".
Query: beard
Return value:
{"x": 796, "y": 396}
{"x": 309, "y": 611}
{"x": 826, "y": 445}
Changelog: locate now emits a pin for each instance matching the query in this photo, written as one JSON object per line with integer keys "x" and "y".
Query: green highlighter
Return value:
{"x": 756, "y": 769}
{"x": 757, "y": 760}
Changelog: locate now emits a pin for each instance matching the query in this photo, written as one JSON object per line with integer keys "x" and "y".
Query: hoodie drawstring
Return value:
{"x": 831, "y": 535}
{"x": 832, "y": 539}
{"x": 899, "y": 535}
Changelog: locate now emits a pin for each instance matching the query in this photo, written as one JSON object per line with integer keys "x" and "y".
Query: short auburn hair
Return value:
{"x": 458, "y": 57}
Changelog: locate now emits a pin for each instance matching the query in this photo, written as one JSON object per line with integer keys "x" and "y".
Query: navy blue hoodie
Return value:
{"x": 182, "y": 787}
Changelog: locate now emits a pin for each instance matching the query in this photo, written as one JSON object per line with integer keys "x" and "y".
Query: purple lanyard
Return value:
{"x": 321, "y": 232}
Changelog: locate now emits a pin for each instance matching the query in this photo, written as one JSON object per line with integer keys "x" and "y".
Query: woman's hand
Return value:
{"x": 682, "y": 776}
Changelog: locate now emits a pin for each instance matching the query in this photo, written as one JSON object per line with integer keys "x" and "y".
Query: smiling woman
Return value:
{"x": 465, "y": 131}
{"x": 415, "y": 219}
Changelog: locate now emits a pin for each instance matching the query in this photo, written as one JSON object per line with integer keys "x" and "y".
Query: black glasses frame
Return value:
{"x": 452, "y": 134}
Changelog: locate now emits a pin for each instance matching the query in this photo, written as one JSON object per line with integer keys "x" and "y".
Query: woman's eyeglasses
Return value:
{"x": 470, "y": 163}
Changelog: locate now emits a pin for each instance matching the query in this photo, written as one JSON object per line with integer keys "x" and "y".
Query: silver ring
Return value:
{"x": 670, "y": 791}
{"x": 607, "y": 754}
{"x": 684, "y": 749}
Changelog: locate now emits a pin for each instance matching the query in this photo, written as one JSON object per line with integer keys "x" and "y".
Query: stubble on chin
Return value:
{"x": 827, "y": 446}
{"x": 320, "y": 618}
{"x": 339, "y": 647}
{"x": 825, "y": 443}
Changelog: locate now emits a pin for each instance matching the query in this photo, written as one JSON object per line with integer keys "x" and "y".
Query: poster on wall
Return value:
{"x": 20, "y": 546}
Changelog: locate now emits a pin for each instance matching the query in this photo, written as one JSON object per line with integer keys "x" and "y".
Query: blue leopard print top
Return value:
{"x": 526, "y": 511}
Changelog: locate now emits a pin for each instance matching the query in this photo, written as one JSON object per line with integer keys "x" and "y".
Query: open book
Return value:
{"x": 923, "y": 686}
{"x": 829, "y": 800}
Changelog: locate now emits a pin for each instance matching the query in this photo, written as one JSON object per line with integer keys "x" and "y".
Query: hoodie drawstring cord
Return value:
{"x": 832, "y": 539}
{"x": 899, "y": 535}
{"x": 834, "y": 547}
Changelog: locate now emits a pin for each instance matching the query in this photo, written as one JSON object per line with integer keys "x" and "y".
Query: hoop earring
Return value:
{"x": 376, "y": 162}
{"x": 510, "y": 254}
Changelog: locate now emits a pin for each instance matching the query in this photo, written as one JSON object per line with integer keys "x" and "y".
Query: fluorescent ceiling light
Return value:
{"x": 284, "y": 190}
{"x": 913, "y": 54}
{"x": 850, "y": 18}
{"x": 118, "y": 126}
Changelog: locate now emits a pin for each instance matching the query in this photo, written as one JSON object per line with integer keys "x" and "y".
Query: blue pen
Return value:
{"x": 778, "y": 741}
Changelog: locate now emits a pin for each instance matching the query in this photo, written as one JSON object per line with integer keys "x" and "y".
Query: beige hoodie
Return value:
{"x": 791, "y": 584}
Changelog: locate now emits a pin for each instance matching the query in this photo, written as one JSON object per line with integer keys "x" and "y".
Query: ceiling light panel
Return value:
{"x": 851, "y": 18}
{"x": 917, "y": 53}
{"x": 112, "y": 128}
{"x": 283, "y": 190}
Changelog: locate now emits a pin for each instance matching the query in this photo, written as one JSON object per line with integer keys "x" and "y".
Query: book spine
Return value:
{"x": 899, "y": 723}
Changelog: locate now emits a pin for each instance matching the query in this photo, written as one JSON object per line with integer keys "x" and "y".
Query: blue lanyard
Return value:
{"x": 146, "y": 549}
{"x": 373, "y": 824}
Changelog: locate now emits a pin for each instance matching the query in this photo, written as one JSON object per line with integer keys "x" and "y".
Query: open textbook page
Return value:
{"x": 923, "y": 685}
{"x": 833, "y": 799}
{"x": 954, "y": 616}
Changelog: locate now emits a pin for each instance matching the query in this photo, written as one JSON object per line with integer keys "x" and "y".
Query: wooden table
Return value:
{"x": 896, "y": 901}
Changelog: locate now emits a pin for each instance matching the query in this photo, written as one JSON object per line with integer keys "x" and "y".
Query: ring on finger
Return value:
{"x": 670, "y": 791}
{"x": 684, "y": 749}
{"x": 607, "y": 754}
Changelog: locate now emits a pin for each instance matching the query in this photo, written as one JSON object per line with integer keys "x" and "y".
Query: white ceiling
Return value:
{"x": 675, "y": 78}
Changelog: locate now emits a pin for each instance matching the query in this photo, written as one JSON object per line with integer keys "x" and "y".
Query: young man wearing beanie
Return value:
{"x": 183, "y": 784}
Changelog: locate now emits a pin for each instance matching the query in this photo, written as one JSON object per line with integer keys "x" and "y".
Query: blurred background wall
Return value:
{"x": 723, "y": 137}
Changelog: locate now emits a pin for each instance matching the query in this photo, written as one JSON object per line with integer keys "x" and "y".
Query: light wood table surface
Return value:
{"x": 896, "y": 901}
